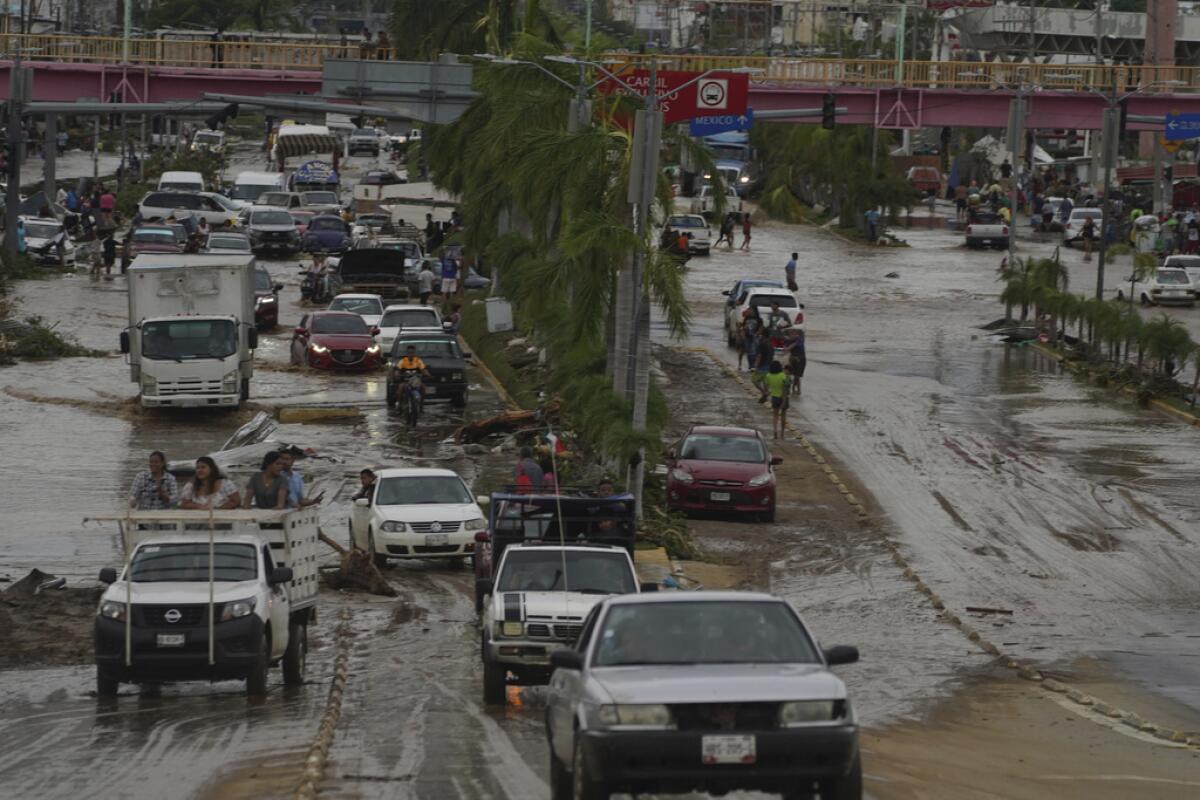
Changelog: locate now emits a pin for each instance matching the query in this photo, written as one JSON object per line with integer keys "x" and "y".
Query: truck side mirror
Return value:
{"x": 252, "y": 338}
{"x": 648, "y": 586}
{"x": 566, "y": 659}
{"x": 841, "y": 654}
{"x": 299, "y": 331}
{"x": 483, "y": 499}
{"x": 776, "y": 461}
{"x": 108, "y": 575}
{"x": 280, "y": 575}
{"x": 124, "y": 341}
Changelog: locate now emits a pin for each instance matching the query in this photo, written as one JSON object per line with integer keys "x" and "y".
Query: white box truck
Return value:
{"x": 221, "y": 595}
{"x": 192, "y": 334}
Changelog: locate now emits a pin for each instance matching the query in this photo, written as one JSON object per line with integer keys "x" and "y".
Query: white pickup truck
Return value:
{"x": 538, "y": 599}
{"x": 203, "y": 596}
{"x": 986, "y": 229}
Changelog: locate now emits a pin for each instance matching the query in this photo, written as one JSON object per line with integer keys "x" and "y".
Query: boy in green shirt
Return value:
{"x": 776, "y": 385}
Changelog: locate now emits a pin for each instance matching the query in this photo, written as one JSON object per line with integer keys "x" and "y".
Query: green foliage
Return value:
{"x": 22, "y": 267}
{"x": 489, "y": 348}
{"x": 223, "y": 15}
{"x": 831, "y": 168}
{"x": 35, "y": 340}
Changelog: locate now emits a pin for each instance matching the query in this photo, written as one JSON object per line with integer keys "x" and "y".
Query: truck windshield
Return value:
{"x": 250, "y": 191}
{"x": 188, "y": 561}
{"x": 542, "y": 571}
{"x": 422, "y": 490}
{"x": 179, "y": 339}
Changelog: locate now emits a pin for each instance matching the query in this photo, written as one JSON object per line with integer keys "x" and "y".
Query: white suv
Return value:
{"x": 762, "y": 297}
{"x": 417, "y": 513}
{"x": 539, "y": 598}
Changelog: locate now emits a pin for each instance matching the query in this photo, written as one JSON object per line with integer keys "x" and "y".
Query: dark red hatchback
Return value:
{"x": 335, "y": 340}
{"x": 716, "y": 468}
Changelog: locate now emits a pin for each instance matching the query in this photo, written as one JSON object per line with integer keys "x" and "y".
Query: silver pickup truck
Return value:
{"x": 987, "y": 230}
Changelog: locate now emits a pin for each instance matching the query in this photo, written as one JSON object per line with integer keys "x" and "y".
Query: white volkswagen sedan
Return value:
{"x": 417, "y": 513}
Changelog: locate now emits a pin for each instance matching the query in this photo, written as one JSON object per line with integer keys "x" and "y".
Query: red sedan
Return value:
{"x": 335, "y": 340}
{"x": 722, "y": 469}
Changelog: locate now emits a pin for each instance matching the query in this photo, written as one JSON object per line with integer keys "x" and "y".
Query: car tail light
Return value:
{"x": 1004, "y": 230}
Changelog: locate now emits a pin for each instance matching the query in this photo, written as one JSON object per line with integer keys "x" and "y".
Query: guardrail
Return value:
{"x": 234, "y": 53}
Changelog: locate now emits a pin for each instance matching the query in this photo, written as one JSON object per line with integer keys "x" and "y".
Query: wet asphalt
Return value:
{"x": 1008, "y": 484}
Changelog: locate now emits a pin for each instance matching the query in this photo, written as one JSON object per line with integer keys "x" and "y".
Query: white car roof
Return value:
{"x": 270, "y": 208}
{"x": 404, "y": 307}
{"x": 590, "y": 548}
{"x": 354, "y": 296}
{"x": 416, "y": 472}
{"x": 777, "y": 291}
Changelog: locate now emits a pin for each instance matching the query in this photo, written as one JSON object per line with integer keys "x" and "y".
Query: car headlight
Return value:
{"x": 511, "y": 629}
{"x": 744, "y": 179}
{"x": 393, "y": 527}
{"x": 149, "y": 384}
{"x": 475, "y": 524}
{"x": 110, "y": 609}
{"x": 806, "y": 712}
{"x": 267, "y": 299}
{"x": 373, "y": 350}
{"x": 318, "y": 348}
{"x": 642, "y": 715}
{"x": 230, "y": 381}
{"x": 456, "y": 376}
{"x": 238, "y": 609}
{"x": 761, "y": 480}
{"x": 681, "y": 476}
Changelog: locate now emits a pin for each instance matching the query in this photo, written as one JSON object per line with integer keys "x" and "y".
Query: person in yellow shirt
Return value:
{"x": 777, "y": 384}
{"x": 411, "y": 362}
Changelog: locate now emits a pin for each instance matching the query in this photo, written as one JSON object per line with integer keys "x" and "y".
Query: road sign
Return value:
{"x": 1169, "y": 145}
{"x": 722, "y": 123}
{"x": 1178, "y": 127}
{"x": 720, "y": 92}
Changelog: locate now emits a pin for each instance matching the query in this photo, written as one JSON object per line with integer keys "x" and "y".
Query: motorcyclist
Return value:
{"x": 412, "y": 363}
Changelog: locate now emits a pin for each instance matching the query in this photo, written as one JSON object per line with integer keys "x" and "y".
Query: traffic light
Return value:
{"x": 829, "y": 111}
{"x": 218, "y": 119}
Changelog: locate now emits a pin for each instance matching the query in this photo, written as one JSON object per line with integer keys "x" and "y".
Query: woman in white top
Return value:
{"x": 209, "y": 489}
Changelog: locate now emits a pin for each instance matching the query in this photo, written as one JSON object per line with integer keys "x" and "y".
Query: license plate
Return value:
{"x": 430, "y": 389}
{"x": 170, "y": 640}
{"x": 722, "y": 496}
{"x": 728, "y": 750}
{"x": 985, "y": 241}
{"x": 435, "y": 539}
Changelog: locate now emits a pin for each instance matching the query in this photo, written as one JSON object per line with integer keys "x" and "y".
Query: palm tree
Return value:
{"x": 1167, "y": 342}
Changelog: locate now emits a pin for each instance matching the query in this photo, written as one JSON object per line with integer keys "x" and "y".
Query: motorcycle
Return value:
{"x": 413, "y": 395}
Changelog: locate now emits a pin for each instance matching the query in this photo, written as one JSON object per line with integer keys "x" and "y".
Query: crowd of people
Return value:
{"x": 277, "y": 485}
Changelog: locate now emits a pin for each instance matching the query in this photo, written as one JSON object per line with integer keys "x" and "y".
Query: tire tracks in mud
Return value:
{"x": 1088, "y": 706}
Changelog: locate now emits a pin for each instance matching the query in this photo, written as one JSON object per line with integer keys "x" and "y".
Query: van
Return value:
{"x": 248, "y": 186}
{"x": 187, "y": 181}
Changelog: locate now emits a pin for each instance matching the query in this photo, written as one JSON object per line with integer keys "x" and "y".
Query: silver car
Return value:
{"x": 700, "y": 691}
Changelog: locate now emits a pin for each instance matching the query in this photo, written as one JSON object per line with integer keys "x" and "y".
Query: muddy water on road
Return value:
{"x": 1011, "y": 486}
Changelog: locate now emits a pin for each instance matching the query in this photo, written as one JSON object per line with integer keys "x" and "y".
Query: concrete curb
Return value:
{"x": 480, "y": 365}
{"x": 318, "y": 752}
{"x": 304, "y": 414}
{"x": 1023, "y": 670}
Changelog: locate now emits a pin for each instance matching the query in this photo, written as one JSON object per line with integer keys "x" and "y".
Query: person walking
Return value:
{"x": 449, "y": 276}
{"x": 267, "y": 489}
{"x": 747, "y": 224}
{"x": 154, "y": 488}
{"x": 789, "y": 272}
{"x": 748, "y": 339}
{"x": 425, "y": 279}
{"x": 108, "y": 204}
{"x": 209, "y": 488}
{"x": 109, "y": 249}
{"x": 960, "y": 201}
{"x": 1088, "y": 233}
{"x": 775, "y": 385}
{"x": 797, "y": 361}
{"x": 873, "y": 225}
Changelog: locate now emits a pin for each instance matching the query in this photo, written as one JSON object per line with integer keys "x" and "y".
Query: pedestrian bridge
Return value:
{"x": 889, "y": 94}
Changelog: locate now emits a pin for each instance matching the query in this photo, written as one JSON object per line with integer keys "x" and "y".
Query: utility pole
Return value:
{"x": 16, "y": 97}
{"x": 1110, "y": 142}
{"x": 50, "y": 155}
{"x": 1016, "y": 144}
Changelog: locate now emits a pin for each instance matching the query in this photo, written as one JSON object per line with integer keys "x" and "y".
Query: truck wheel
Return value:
{"x": 583, "y": 786}
{"x": 296, "y": 654}
{"x": 106, "y": 684}
{"x": 380, "y": 561}
{"x": 256, "y": 681}
{"x": 495, "y": 684}
{"x": 847, "y": 787}
{"x": 560, "y": 779}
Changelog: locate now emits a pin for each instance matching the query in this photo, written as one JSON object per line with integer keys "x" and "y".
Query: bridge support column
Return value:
{"x": 50, "y": 156}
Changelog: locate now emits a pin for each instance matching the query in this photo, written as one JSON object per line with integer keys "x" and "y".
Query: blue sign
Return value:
{"x": 1177, "y": 127}
{"x": 707, "y": 126}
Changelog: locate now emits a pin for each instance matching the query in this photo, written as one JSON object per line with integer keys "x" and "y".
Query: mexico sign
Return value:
{"x": 716, "y": 94}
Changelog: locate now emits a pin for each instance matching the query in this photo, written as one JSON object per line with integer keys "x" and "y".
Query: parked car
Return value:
{"x": 326, "y": 233}
{"x": 702, "y": 203}
{"x": 417, "y": 513}
{"x": 47, "y": 242}
{"x": 335, "y": 340}
{"x": 1073, "y": 230}
{"x": 180, "y": 180}
{"x": 761, "y": 297}
{"x": 1190, "y": 264}
{"x": 713, "y": 692}
{"x": 716, "y": 468}
{"x": 214, "y": 208}
{"x": 925, "y": 181}
{"x": 227, "y": 242}
{"x": 272, "y": 230}
{"x": 285, "y": 200}
{"x": 363, "y": 140}
{"x": 535, "y": 606}
{"x": 1165, "y": 286}
{"x": 266, "y": 299}
{"x": 986, "y": 229}
{"x": 447, "y": 365}
{"x": 699, "y": 234}
{"x": 367, "y": 306}
{"x": 404, "y": 317}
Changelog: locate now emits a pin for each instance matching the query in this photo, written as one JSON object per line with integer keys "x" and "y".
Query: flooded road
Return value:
{"x": 1009, "y": 485}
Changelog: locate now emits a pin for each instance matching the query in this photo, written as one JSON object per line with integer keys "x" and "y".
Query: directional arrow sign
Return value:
{"x": 721, "y": 123}
{"x": 1177, "y": 127}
